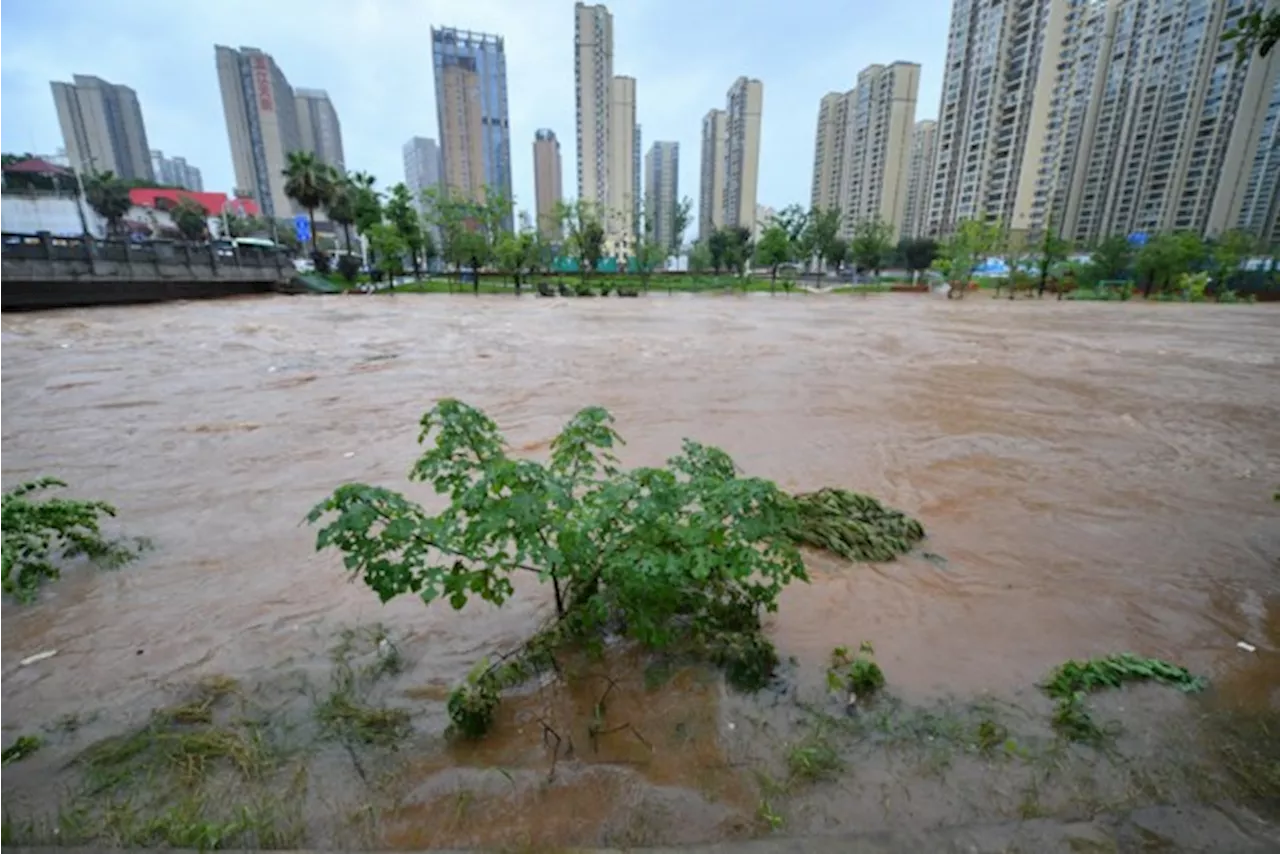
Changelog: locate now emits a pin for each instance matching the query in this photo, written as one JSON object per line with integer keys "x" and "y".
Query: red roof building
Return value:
{"x": 213, "y": 203}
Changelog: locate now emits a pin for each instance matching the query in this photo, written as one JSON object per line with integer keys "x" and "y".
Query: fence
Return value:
{"x": 46, "y": 247}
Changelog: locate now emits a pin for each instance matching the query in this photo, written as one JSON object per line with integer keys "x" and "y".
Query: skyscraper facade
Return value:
{"x": 262, "y": 124}
{"x": 662, "y": 194}
{"x": 319, "y": 126}
{"x": 828, "y": 151}
{"x": 421, "y": 167}
{"x": 637, "y": 182}
{"x": 593, "y": 78}
{"x": 471, "y": 106}
{"x": 742, "y": 152}
{"x": 619, "y": 212}
{"x": 880, "y": 114}
{"x": 547, "y": 183}
{"x": 102, "y": 128}
{"x": 1179, "y": 139}
{"x": 176, "y": 172}
{"x": 919, "y": 178}
{"x": 1101, "y": 117}
{"x": 711, "y": 174}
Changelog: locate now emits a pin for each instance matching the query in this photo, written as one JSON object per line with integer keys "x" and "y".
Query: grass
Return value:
{"x": 1070, "y": 682}
{"x": 343, "y": 714}
{"x": 813, "y": 759}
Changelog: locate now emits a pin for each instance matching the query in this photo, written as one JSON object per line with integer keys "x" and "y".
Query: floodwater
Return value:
{"x": 1093, "y": 477}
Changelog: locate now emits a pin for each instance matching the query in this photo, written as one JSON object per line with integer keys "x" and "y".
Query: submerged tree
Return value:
{"x": 689, "y": 554}
{"x": 684, "y": 556}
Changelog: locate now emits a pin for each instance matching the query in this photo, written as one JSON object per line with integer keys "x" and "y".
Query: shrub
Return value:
{"x": 349, "y": 267}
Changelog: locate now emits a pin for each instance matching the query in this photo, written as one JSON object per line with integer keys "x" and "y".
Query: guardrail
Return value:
{"x": 44, "y": 271}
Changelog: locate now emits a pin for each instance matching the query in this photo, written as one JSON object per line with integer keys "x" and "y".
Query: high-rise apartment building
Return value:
{"x": 919, "y": 178}
{"x": 1178, "y": 138}
{"x": 637, "y": 182}
{"x": 828, "y": 151}
{"x": 102, "y": 128}
{"x": 1250, "y": 198}
{"x": 994, "y": 58}
{"x": 1100, "y": 117}
{"x": 880, "y": 114}
{"x": 176, "y": 172}
{"x": 742, "y": 152}
{"x": 620, "y": 205}
{"x": 711, "y": 174}
{"x": 471, "y": 106}
{"x": 262, "y": 124}
{"x": 548, "y": 187}
{"x": 662, "y": 194}
{"x": 318, "y": 123}
{"x": 593, "y": 78}
{"x": 421, "y": 167}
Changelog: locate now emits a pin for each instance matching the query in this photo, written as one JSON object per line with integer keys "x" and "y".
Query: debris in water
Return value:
{"x": 39, "y": 656}
{"x": 1247, "y": 647}
{"x": 349, "y": 454}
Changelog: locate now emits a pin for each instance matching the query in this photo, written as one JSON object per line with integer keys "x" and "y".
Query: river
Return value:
{"x": 1093, "y": 477}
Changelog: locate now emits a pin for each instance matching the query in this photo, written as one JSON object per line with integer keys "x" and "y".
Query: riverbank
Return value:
{"x": 1093, "y": 477}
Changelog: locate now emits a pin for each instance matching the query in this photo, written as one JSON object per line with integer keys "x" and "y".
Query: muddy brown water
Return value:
{"x": 1093, "y": 478}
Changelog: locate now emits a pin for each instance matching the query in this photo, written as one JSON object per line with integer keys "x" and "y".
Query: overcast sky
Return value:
{"x": 374, "y": 59}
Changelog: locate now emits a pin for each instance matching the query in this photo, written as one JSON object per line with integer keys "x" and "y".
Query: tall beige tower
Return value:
{"x": 711, "y": 174}
{"x": 1249, "y": 197}
{"x": 880, "y": 114}
{"x": 919, "y": 177}
{"x": 319, "y": 126}
{"x": 662, "y": 193}
{"x": 461, "y": 131}
{"x": 262, "y": 124}
{"x": 828, "y": 151}
{"x": 742, "y": 152}
{"x": 548, "y": 188}
{"x": 593, "y": 79}
{"x": 620, "y": 207}
{"x": 102, "y": 128}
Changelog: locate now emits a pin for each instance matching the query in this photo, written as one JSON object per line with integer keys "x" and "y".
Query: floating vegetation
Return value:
{"x": 853, "y": 525}
{"x": 856, "y": 675}
{"x": 1072, "y": 681}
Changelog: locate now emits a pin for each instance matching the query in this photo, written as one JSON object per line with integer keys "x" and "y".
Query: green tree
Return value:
{"x": 341, "y": 207}
{"x": 918, "y": 253}
{"x": 649, "y": 255}
{"x": 794, "y": 222}
{"x": 689, "y": 554}
{"x": 972, "y": 243}
{"x": 109, "y": 198}
{"x": 740, "y": 249}
{"x": 719, "y": 250}
{"x": 822, "y": 231}
{"x": 773, "y": 250}
{"x": 1112, "y": 258}
{"x": 517, "y": 253}
{"x": 679, "y": 224}
{"x": 309, "y": 183}
{"x": 1258, "y": 30}
{"x": 1165, "y": 257}
{"x": 872, "y": 242}
{"x": 700, "y": 257}
{"x": 403, "y": 216}
{"x": 1051, "y": 249}
{"x": 584, "y": 235}
{"x": 190, "y": 219}
{"x": 1229, "y": 250}
{"x": 385, "y": 240}
{"x": 837, "y": 251}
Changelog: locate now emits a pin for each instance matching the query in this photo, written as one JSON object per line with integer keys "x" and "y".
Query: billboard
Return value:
{"x": 262, "y": 83}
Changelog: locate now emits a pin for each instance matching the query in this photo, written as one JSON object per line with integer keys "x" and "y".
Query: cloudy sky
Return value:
{"x": 374, "y": 58}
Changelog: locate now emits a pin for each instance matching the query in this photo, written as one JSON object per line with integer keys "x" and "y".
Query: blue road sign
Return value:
{"x": 302, "y": 228}
{"x": 1138, "y": 238}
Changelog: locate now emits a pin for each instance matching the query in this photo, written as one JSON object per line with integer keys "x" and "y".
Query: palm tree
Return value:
{"x": 342, "y": 205}
{"x": 109, "y": 198}
{"x": 308, "y": 182}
